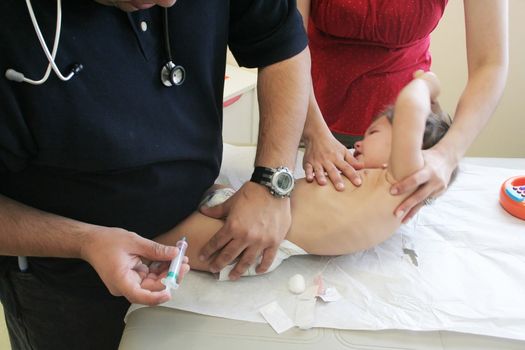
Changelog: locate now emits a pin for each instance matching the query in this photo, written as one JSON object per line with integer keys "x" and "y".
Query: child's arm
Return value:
{"x": 411, "y": 110}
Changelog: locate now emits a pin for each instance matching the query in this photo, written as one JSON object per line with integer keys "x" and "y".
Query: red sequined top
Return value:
{"x": 364, "y": 52}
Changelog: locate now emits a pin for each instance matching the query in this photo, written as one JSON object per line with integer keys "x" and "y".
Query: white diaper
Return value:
{"x": 286, "y": 250}
{"x": 217, "y": 197}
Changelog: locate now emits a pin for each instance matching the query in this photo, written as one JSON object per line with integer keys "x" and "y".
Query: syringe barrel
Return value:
{"x": 176, "y": 263}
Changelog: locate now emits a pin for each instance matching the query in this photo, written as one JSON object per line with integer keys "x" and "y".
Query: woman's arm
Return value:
{"x": 486, "y": 23}
{"x": 304, "y": 8}
{"x": 323, "y": 153}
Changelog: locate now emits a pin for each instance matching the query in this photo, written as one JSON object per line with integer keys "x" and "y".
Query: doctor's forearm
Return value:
{"x": 30, "y": 232}
{"x": 283, "y": 90}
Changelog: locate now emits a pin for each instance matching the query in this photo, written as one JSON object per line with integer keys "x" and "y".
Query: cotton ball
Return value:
{"x": 296, "y": 284}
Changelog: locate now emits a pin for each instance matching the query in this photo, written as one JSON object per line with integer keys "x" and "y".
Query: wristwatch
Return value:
{"x": 279, "y": 180}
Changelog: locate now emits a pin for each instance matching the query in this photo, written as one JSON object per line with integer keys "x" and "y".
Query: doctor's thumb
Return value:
{"x": 158, "y": 252}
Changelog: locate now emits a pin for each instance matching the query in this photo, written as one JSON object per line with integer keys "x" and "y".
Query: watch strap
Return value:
{"x": 262, "y": 175}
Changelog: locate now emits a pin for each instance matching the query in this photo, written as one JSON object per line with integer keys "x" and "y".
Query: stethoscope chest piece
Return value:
{"x": 172, "y": 74}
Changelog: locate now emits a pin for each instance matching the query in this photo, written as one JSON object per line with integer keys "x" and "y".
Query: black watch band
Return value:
{"x": 279, "y": 181}
{"x": 262, "y": 175}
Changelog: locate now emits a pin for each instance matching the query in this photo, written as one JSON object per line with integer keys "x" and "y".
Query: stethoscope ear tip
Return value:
{"x": 13, "y": 75}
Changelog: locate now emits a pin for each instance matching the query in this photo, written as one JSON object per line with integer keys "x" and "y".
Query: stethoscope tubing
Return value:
{"x": 50, "y": 57}
{"x": 171, "y": 73}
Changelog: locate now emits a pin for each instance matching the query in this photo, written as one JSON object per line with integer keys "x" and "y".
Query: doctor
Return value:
{"x": 117, "y": 142}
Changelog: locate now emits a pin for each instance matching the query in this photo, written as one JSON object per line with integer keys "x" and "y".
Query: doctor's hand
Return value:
{"x": 134, "y": 5}
{"x": 428, "y": 183}
{"x": 117, "y": 256}
{"x": 324, "y": 154}
{"x": 256, "y": 224}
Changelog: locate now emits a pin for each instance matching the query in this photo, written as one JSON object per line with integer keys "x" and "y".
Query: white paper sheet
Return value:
{"x": 470, "y": 273}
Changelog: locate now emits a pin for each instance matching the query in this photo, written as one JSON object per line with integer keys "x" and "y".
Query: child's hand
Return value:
{"x": 433, "y": 84}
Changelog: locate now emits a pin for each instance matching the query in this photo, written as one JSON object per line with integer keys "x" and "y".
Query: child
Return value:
{"x": 329, "y": 222}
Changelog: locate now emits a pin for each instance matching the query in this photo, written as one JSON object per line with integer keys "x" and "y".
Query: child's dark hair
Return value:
{"x": 436, "y": 126}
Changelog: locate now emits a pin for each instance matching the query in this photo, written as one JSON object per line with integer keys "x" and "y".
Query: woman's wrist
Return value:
{"x": 449, "y": 153}
{"x": 314, "y": 129}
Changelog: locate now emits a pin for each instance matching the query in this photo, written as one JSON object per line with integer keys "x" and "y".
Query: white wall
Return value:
{"x": 504, "y": 136}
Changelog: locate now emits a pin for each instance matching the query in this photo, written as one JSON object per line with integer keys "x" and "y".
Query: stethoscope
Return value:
{"x": 171, "y": 73}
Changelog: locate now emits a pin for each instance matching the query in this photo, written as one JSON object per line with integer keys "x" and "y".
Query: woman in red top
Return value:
{"x": 364, "y": 52}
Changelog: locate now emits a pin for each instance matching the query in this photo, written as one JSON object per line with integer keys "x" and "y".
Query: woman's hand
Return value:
{"x": 134, "y": 5}
{"x": 428, "y": 183}
{"x": 324, "y": 155}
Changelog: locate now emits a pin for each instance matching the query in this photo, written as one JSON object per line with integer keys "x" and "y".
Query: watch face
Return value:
{"x": 283, "y": 182}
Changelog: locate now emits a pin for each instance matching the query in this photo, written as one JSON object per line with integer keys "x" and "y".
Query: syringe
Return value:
{"x": 173, "y": 273}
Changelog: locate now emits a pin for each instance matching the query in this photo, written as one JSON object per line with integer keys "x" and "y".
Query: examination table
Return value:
{"x": 168, "y": 328}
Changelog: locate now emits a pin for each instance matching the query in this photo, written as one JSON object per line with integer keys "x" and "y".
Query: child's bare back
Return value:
{"x": 344, "y": 222}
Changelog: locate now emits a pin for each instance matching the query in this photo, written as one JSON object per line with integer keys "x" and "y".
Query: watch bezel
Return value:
{"x": 275, "y": 189}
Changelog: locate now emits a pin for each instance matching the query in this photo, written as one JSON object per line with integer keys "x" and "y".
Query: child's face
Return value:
{"x": 374, "y": 150}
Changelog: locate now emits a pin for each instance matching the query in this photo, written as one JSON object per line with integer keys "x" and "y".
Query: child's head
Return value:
{"x": 374, "y": 149}
{"x": 436, "y": 126}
